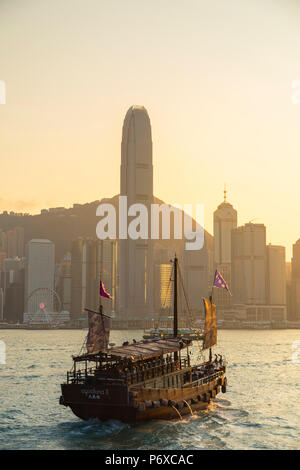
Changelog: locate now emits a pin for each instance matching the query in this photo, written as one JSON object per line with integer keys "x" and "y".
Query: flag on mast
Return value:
{"x": 103, "y": 292}
{"x": 220, "y": 282}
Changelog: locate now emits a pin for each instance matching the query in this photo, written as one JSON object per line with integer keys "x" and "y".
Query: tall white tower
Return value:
{"x": 136, "y": 256}
{"x": 225, "y": 220}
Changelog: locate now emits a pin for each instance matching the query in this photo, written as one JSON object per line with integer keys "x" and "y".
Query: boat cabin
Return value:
{"x": 152, "y": 363}
{"x": 156, "y": 363}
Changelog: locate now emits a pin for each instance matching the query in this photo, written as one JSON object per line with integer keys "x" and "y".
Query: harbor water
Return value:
{"x": 261, "y": 409}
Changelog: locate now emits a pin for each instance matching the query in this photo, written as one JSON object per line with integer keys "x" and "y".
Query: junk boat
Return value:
{"x": 144, "y": 380}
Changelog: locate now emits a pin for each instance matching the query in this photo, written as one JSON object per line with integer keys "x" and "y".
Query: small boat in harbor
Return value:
{"x": 168, "y": 333}
{"x": 144, "y": 380}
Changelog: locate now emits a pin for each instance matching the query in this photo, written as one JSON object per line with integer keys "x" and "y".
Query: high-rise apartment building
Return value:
{"x": 198, "y": 275}
{"x": 276, "y": 279}
{"x": 294, "y": 312}
{"x": 92, "y": 260}
{"x": 39, "y": 275}
{"x": 3, "y": 241}
{"x": 249, "y": 264}
{"x": 12, "y": 242}
{"x": 63, "y": 282}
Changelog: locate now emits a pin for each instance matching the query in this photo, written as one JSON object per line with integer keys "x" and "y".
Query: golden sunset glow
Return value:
{"x": 215, "y": 77}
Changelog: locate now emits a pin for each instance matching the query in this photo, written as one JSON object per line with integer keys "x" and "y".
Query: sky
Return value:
{"x": 216, "y": 78}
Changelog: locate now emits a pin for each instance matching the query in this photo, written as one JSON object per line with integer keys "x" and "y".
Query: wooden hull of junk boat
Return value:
{"x": 111, "y": 401}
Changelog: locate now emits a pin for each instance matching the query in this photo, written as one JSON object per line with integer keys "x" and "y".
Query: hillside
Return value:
{"x": 66, "y": 225}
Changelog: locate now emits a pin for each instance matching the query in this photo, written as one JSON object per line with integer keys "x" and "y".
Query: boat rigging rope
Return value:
{"x": 165, "y": 300}
{"x": 197, "y": 331}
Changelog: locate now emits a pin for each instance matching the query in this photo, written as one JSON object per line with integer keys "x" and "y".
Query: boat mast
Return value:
{"x": 211, "y": 300}
{"x": 175, "y": 323}
{"x": 100, "y": 301}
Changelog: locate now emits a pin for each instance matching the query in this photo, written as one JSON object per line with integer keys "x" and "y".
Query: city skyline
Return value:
{"x": 221, "y": 109}
{"x": 149, "y": 228}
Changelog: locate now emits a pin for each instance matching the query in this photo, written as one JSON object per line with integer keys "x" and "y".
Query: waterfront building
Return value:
{"x": 276, "y": 280}
{"x": 249, "y": 264}
{"x": 91, "y": 260}
{"x": 294, "y": 312}
{"x": 39, "y": 275}
{"x": 63, "y": 282}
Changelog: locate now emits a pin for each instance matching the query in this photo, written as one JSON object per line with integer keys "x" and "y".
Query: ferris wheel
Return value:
{"x": 44, "y": 307}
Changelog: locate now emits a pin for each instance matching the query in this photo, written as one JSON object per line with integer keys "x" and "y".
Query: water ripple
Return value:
{"x": 260, "y": 410}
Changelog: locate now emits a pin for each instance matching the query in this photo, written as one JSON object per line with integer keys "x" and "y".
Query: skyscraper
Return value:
{"x": 276, "y": 287}
{"x": 198, "y": 274}
{"x": 136, "y": 256}
{"x": 163, "y": 301}
{"x": 12, "y": 242}
{"x": 63, "y": 281}
{"x": 92, "y": 259}
{"x": 225, "y": 220}
{"x": 294, "y": 313}
{"x": 20, "y": 244}
{"x": 83, "y": 276}
{"x": 249, "y": 264}
{"x": 3, "y": 241}
{"x": 39, "y": 274}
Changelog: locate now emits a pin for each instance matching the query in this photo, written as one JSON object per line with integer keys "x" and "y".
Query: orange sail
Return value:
{"x": 210, "y": 328}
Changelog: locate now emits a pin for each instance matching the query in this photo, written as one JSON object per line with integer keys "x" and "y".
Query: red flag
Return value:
{"x": 103, "y": 292}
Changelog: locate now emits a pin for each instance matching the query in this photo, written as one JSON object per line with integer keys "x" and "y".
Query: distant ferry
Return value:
{"x": 168, "y": 333}
{"x": 262, "y": 325}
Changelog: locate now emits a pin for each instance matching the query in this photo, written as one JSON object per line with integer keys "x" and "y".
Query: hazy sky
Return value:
{"x": 215, "y": 77}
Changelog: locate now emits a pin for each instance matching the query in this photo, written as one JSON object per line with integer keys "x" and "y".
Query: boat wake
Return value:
{"x": 97, "y": 427}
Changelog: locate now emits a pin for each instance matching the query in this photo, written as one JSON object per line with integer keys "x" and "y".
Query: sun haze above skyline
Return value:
{"x": 216, "y": 79}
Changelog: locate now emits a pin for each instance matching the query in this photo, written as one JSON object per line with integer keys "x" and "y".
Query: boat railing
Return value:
{"x": 137, "y": 373}
{"x": 207, "y": 379}
{"x": 141, "y": 374}
{"x": 145, "y": 374}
